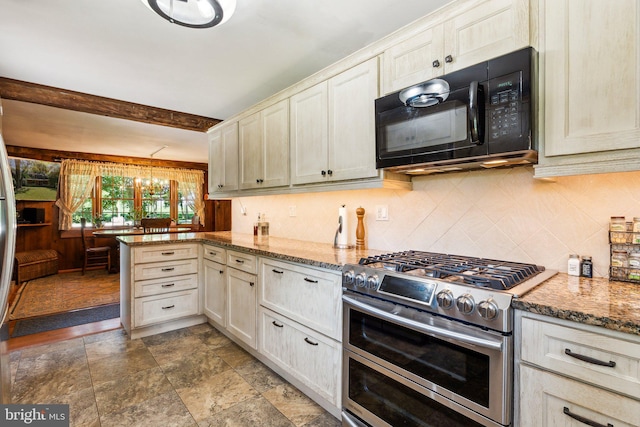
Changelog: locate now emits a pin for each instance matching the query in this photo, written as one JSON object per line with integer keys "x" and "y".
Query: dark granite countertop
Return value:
{"x": 609, "y": 304}
{"x": 310, "y": 253}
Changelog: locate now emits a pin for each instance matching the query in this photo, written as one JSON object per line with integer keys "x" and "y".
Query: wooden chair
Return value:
{"x": 94, "y": 256}
{"x": 155, "y": 225}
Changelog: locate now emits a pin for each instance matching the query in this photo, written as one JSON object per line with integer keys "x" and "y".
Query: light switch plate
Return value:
{"x": 382, "y": 212}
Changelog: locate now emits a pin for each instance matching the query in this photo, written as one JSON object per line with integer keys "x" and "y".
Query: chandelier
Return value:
{"x": 193, "y": 13}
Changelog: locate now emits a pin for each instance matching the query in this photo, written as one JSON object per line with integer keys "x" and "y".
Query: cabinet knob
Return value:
{"x": 448, "y": 59}
{"x": 324, "y": 173}
{"x": 435, "y": 63}
{"x": 252, "y": 284}
{"x": 330, "y": 172}
{"x": 220, "y": 185}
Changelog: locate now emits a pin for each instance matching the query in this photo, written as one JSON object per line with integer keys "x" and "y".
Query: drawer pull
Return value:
{"x": 588, "y": 359}
{"x": 168, "y": 269}
{"x": 240, "y": 261}
{"x": 277, "y": 271}
{"x": 306, "y": 279}
{"x": 169, "y": 253}
{"x": 308, "y": 341}
{"x": 213, "y": 253}
{"x": 168, "y": 285}
{"x": 168, "y": 307}
{"x": 276, "y": 324}
{"x": 584, "y": 420}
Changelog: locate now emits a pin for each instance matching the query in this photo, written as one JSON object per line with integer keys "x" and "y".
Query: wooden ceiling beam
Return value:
{"x": 54, "y": 97}
{"x": 55, "y": 155}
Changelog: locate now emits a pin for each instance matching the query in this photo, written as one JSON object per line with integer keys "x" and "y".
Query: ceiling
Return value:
{"x": 120, "y": 49}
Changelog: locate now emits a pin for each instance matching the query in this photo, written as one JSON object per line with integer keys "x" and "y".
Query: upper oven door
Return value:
{"x": 449, "y": 129}
{"x": 464, "y": 363}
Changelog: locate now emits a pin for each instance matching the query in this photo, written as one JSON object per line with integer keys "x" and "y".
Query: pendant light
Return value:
{"x": 193, "y": 13}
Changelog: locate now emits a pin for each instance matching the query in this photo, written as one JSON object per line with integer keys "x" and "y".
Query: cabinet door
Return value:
{"x": 223, "y": 159}
{"x": 591, "y": 69}
{"x": 352, "y": 144}
{"x": 275, "y": 145}
{"x": 241, "y": 305}
{"x": 215, "y": 291}
{"x": 490, "y": 29}
{"x": 309, "y": 137}
{"x": 412, "y": 61}
{"x": 548, "y": 400}
{"x": 250, "y": 151}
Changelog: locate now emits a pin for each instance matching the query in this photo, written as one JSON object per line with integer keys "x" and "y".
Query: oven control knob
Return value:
{"x": 372, "y": 281}
{"x": 488, "y": 309}
{"x": 465, "y": 304}
{"x": 349, "y": 277}
{"x": 445, "y": 299}
{"x": 360, "y": 280}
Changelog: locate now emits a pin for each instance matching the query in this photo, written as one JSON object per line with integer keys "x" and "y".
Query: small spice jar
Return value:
{"x": 618, "y": 229}
{"x": 634, "y": 266}
{"x": 586, "y": 267}
{"x": 619, "y": 264}
{"x": 573, "y": 265}
{"x": 636, "y": 230}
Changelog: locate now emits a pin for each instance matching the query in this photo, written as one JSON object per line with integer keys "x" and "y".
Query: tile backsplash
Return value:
{"x": 501, "y": 213}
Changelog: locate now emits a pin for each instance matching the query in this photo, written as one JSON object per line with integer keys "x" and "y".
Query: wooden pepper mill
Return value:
{"x": 360, "y": 229}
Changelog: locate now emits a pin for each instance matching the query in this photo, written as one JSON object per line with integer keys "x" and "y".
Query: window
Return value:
{"x": 118, "y": 194}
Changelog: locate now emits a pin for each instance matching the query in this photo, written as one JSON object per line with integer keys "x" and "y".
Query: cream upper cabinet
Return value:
{"x": 264, "y": 147}
{"x": 333, "y": 128}
{"x": 590, "y": 86}
{"x": 223, "y": 158}
{"x": 352, "y": 138}
{"x": 483, "y": 30}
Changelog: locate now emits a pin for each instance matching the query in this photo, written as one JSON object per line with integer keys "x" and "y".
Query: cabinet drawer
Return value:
{"x": 311, "y": 357}
{"x": 165, "y": 269}
{"x": 156, "y": 309}
{"x": 306, "y": 295}
{"x": 157, "y": 253}
{"x": 560, "y": 348}
{"x": 145, "y": 288}
{"x": 214, "y": 253}
{"x": 241, "y": 261}
{"x": 548, "y": 400}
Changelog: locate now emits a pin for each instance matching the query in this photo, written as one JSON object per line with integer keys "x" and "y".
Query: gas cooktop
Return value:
{"x": 481, "y": 272}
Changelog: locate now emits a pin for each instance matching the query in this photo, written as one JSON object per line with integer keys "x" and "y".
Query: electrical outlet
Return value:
{"x": 382, "y": 212}
{"x": 292, "y": 210}
{"x": 243, "y": 210}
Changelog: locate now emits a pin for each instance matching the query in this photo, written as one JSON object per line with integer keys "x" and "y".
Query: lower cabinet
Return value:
{"x": 215, "y": 291}
{"x": 551, "y": 400}
{"x": 242, "y": 298}
{"x": 572, "y": 374}
{"x": 311, "y": 357}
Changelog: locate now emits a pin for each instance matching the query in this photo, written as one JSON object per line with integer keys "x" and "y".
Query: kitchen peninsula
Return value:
{"x": 244, "y": 287}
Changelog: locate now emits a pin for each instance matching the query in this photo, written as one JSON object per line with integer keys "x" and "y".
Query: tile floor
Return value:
{"x": 190, "y": 377}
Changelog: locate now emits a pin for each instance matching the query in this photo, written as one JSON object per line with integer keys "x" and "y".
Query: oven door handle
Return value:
{"x": 429, "y": 330}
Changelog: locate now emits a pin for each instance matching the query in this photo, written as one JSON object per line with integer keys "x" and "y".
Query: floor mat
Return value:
{"x": 34, "y": 325}
{"x": 65, "y": 292}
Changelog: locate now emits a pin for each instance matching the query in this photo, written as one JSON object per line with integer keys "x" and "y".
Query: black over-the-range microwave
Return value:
{"x": 477, "y": 117}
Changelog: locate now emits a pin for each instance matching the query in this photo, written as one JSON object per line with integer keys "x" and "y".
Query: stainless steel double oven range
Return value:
{"x": 428, "y": 339}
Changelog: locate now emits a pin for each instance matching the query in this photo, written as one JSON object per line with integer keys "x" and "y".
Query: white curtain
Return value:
{"x": 77, "y": 178}
{"x": 75, "y": 184}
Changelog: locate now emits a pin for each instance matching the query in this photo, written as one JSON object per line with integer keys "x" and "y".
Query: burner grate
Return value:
{"x": 481, "y": 272}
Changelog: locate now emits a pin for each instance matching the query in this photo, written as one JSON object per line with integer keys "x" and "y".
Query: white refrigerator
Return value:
{"x": 7, "y": 252}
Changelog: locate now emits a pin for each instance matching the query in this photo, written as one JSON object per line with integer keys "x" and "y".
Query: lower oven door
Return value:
{"x": 379, "y": 397}
{"x": 469, "y": 367}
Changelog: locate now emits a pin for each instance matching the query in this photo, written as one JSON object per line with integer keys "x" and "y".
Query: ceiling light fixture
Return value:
{"x": 193, "y": 13}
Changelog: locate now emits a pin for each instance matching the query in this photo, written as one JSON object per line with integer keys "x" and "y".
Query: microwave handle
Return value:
{"x": 474, "y": 113}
